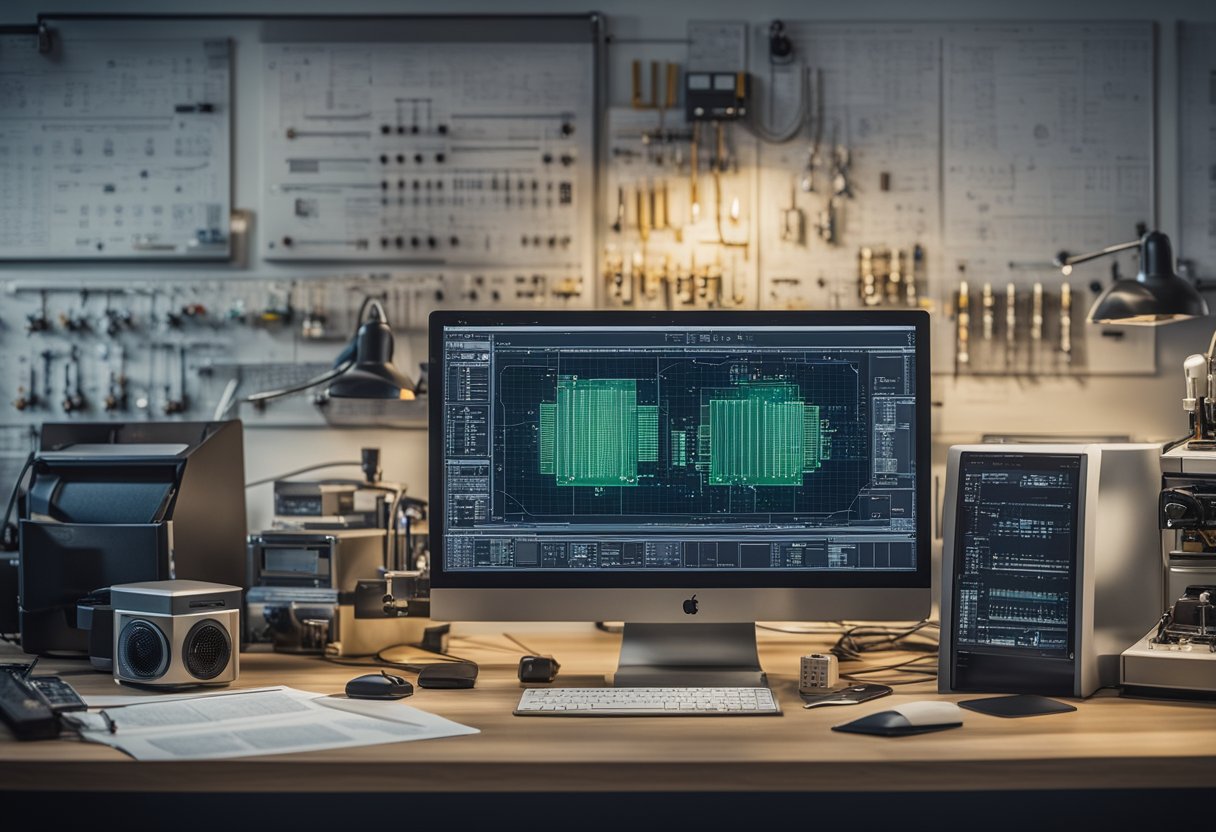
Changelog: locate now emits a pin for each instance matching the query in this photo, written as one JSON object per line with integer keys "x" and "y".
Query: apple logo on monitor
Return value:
{"x": 690, "y": 606}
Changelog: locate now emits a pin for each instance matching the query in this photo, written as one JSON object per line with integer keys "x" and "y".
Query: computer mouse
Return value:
{"x": 907, "y": 718}
{"x": 448, "y": 675}
{"x": 929, "y": 712}
{"x": 378, "y": 686}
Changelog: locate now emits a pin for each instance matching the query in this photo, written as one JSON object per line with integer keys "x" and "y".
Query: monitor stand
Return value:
{"x": 689, "y": 655}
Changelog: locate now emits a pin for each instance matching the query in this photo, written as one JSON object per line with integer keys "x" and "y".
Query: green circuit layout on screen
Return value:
{"x": 759, "y": 433}
{"x": 604, "y": 442}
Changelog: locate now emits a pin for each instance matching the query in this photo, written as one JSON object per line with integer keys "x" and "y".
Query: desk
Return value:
{"x": 1109, "y": 743}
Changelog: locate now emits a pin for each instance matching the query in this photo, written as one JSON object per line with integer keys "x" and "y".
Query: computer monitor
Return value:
{"x": 688, "y": 473}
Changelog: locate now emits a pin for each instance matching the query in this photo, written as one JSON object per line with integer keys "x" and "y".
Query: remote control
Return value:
{"x": 19, "y": 668}
{"x": 58, "y": 695}
{"x": 24, "y": 711}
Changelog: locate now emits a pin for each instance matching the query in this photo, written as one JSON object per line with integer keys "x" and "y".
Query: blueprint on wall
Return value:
{"x": 1197, "y": 132}
{"x": 468, "y": 154}
{"x": 114, "y": 149}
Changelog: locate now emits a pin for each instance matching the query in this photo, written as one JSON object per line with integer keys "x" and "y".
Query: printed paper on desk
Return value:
{"x": 246, "y": 724}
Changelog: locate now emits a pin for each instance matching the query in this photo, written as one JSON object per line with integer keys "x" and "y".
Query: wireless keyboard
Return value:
{"x": 648, "y": 702}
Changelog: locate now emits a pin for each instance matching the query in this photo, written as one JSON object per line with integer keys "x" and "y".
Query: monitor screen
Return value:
{"x": 1015, "y": 557}
{"x": 572, "y": 450}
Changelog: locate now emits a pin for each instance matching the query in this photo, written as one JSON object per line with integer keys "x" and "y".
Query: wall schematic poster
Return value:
{"x": 114, "y": 149}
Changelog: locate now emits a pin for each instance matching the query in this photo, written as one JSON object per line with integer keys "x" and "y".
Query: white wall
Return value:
{"x": 1139, "y": 406}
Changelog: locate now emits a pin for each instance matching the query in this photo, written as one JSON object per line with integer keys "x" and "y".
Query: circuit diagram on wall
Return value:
{"x": 459, "y": 154}
{"x": 114, "y": 149}
{"x": 1047, "y": 146}
{"x": 1197, "y": 129}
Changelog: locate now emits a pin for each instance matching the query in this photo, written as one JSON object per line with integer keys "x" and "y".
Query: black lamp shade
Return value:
{"x": 373, "y": 375}
{"x": 1156, "y": 296}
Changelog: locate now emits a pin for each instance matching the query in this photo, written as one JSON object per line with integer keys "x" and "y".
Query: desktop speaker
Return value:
{"x": 176, "y": 633}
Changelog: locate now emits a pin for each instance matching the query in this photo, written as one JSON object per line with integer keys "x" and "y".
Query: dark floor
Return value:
{"x": 1077, "y": 811}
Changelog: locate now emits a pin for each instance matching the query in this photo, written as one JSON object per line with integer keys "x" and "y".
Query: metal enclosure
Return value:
{"x": 1117, "y": 582}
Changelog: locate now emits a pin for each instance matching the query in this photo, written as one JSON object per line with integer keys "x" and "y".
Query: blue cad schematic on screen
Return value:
{"x": 648, "y": 448}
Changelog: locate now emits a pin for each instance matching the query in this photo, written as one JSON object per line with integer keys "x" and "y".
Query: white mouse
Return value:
{"x": 929, "y": 712}
{"x": 907, "y": 718}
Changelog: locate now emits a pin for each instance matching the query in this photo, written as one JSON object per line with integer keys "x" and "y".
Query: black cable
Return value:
{"x": 604, "y": 628}
{"x": 522, "y": 646}
{"x": 871, "y": 639}
{"x": 338, "y": 661}
{"x": 448, "y": 657}
{"x": 899, "y": 667}
{"x": 378, "y": 659}
{"x": 315, "y": 381}
{"x": 481, "y": 645}
{"x": 12, "y": 498}
{"x": 862, "y": 639}
{"x": 304, "y": 470}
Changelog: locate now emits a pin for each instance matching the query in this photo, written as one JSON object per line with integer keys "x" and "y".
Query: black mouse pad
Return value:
{"x": 1023, "y": 704}
{"x": 852, "y": 695}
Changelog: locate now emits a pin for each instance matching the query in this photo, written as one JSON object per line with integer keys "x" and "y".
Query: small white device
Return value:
{"x": 820, "y": 673}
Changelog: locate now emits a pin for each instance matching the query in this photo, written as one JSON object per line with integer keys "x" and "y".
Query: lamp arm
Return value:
{"x": 1066, "y": 259}
{"x": 329, "y": 375}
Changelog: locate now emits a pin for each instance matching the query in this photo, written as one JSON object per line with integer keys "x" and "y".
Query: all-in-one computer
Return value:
{"x": 686, "y": 473}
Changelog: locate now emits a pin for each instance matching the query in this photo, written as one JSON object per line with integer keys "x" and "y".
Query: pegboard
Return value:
{"x": 1197, "y": 133}
{"x": 437, "y": 152}
{"x": 114, "y": 149}
{"x": 167, "y": 347}
{"x": 970, "y": 152}
{"x": 680, "y": 202}
{"x": 872, "y": 96}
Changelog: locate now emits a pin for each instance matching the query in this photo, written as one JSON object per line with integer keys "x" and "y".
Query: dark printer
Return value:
{"x": 113, "y": 503}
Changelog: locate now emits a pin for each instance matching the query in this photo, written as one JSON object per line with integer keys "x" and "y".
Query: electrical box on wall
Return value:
{"x": 716, "y": 96}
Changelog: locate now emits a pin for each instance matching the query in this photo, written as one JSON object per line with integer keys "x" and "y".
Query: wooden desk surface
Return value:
{"x": 1108, "y": 743}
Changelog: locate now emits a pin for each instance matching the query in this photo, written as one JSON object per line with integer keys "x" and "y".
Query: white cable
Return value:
{"x": 756, "y": 127}
{"x": 226, "y": 399}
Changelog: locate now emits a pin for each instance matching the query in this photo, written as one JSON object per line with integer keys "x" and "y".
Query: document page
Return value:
{"x": 246, "y": 724}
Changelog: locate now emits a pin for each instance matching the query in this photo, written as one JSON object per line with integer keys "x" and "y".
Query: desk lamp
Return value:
{"x": 1157, "y": 295}
{"x": 371, "y": 373}
{"x": 363, "y": 370}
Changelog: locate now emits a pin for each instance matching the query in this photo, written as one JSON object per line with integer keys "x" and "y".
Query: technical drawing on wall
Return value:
{"x": 114, "y": 149}
{"x": 1047, "y": 145}
{"x": 1197, "y": 132}
{"x": 458, "y": 154}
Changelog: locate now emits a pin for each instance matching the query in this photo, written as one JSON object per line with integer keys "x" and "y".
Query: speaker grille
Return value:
{"x": 206, "y": 649}
{"x": 143, "y": 652}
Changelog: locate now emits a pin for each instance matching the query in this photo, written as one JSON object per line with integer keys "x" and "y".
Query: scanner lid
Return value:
{"x": 90, "y": 451}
